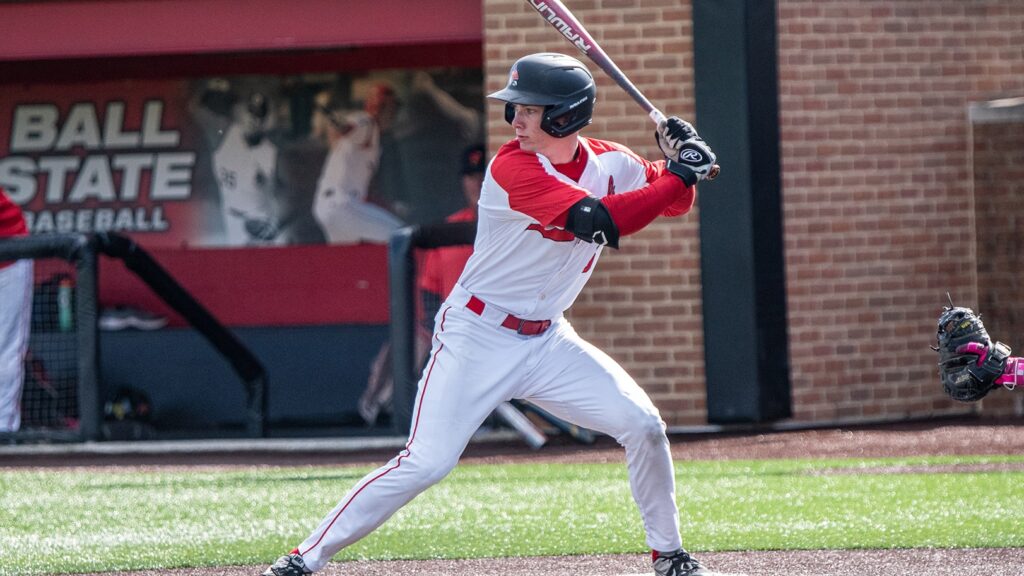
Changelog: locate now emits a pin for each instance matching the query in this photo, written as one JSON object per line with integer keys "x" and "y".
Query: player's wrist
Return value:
{"x": 1013, "y": 373}
{"x": 682, "y": 171}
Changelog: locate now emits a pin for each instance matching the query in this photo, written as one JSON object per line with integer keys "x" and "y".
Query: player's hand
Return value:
{"x": 1013, "y": 371}
{"x": 694, "y": 162}
{"x": 672, "y": 132}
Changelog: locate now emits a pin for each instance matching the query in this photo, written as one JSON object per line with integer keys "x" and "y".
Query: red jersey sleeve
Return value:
{"x": 635, "y": 210}
{"x": 683, "y": 204}
{"x": 532, "y": 190}
{"x": 12, "y": 221}
{"x": 651, "y": 172}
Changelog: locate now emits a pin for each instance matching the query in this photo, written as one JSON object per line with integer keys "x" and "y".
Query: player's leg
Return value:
{"x": 16, "y": 290}
{"x": 460, "y": 386}
{"x": 581, "y": 384}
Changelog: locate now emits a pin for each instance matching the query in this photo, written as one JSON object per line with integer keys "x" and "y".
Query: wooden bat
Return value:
{"x": 563, "y": 20}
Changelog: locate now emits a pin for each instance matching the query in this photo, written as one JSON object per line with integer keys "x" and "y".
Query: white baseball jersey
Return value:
{"x": 522, "y": 268}
{"x": 520, "y": 263}
{"x": 245, "y": 175}
{"x": 340, "y": 205}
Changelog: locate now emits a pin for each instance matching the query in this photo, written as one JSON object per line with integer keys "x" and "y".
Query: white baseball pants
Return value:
{"x": 475, "y": 364}
{"x": 15, "y": 321}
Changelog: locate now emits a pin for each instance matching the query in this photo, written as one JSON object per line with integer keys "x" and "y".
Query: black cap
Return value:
{"x": 474, "y": 159}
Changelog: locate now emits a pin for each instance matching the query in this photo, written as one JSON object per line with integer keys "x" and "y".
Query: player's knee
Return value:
{"x": 426, "y": 474}
{"x": 646, "y": 428}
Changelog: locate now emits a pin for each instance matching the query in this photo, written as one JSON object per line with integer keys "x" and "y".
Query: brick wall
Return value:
{"x": 998, "y": 175}
{"x": 879, "y": 215}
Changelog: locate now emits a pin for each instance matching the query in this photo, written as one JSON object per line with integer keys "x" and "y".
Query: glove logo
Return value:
{"x": 691, "y": 156}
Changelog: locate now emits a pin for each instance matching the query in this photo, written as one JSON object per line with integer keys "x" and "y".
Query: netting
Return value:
{"x": 49, "y": 394}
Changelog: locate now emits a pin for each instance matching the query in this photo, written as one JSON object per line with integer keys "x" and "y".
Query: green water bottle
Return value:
{"x": 64, "y": 290}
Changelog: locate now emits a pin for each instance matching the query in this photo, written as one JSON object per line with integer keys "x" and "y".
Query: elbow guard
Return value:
{"x": 590, "y": 221}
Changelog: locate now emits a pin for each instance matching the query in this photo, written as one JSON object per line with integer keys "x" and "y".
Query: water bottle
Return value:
{"x": 64, "y": 290}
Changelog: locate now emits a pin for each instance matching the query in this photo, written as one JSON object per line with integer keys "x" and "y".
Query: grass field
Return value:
{"x": 101, "y": 520}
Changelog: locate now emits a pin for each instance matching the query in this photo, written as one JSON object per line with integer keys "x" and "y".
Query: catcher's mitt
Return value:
{"x": 967, "y": 377}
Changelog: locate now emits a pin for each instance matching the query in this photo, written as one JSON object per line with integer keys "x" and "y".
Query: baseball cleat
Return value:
{"x": 288, "y": 565}
{"x": 679, "y": 563}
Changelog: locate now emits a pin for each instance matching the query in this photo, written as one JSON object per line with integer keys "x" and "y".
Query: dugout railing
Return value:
{"x": 83, "y": 419}
{"x": 62, "y": 369}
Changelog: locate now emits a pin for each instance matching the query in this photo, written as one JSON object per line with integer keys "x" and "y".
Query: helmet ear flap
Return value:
{"x": 510, "y": 112}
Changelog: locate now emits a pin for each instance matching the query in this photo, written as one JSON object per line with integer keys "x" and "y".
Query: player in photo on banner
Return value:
{"x": 340, "y": 205}
{"x": 244, "y": 162}
{"x": 551, "y": 201}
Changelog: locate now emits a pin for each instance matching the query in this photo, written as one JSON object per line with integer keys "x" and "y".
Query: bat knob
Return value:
{"x": 714, "y": 172}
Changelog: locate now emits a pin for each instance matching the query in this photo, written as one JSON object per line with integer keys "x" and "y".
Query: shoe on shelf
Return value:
{"x": 119, "y": 318}
{"x": 288, "y": 565}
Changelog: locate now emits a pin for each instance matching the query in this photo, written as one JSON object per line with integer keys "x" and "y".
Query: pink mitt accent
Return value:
{"x": 974, "y": 348}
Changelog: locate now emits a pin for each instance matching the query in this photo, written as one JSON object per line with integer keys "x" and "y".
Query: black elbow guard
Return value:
{"x": 590, "y": 221}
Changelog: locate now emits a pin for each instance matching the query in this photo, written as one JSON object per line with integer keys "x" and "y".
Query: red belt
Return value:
{"x": 524, "y": 327}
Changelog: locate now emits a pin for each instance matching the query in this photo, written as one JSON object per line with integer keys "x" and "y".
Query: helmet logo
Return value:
{"x": 514, "y": 79}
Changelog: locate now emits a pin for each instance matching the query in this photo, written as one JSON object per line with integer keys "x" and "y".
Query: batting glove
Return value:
{"x": 693, "y": 162}
{"x": 672, "y": 133}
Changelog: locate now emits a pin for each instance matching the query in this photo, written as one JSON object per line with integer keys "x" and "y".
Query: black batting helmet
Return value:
{"x": 560, "y": 83}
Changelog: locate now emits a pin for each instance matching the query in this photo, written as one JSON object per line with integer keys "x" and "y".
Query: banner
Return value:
{"x": 243, "y": 161}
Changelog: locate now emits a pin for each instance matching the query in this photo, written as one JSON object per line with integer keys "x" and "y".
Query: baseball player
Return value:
{"x": 15, "y": 317}
{"x": 340, "y": 205}
{"x": 245, "y": 164}
{"x": 552, "y": 200}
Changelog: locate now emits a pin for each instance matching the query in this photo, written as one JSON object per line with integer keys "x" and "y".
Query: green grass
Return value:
{"x": 78, "y": 521}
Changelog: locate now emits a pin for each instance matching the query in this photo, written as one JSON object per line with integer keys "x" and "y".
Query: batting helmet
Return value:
{"x": 560, "y": 83}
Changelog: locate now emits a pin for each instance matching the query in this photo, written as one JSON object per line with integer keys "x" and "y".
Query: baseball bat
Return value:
{"x": 563, "y": 20}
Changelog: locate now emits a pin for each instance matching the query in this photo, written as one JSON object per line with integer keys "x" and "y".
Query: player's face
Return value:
{"x": 526, "y": 123}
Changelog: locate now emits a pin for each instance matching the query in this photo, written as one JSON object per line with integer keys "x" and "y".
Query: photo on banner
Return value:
{"x": 242, "y": 161}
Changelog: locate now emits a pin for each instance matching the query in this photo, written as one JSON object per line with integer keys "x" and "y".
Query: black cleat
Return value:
{"x": 679, "y": 563}
{"x": 289, "y": 565}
